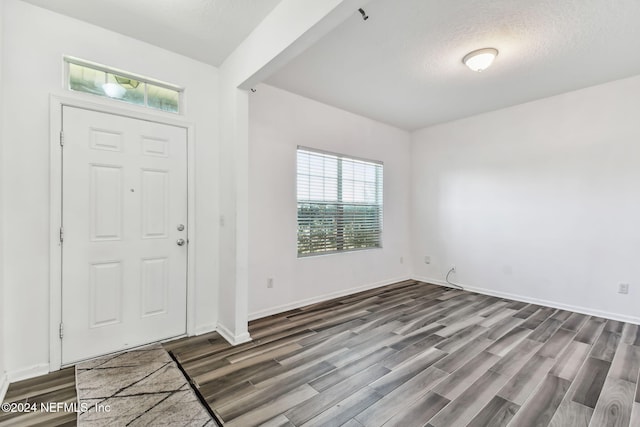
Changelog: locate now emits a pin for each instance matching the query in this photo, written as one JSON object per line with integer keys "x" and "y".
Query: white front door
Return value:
{"x": 124, "y": 218}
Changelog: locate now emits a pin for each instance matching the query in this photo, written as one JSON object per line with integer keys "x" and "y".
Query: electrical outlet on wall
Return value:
{"x": 270, "y": 282}
{"x": 623, "y": 288}
{"x": 427, "y": 259}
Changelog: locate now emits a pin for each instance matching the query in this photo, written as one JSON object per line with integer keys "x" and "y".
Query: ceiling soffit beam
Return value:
{"x": 291, "y": 28}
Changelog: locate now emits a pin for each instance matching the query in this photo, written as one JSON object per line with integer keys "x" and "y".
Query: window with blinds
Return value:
{"x": 339, "y": 203}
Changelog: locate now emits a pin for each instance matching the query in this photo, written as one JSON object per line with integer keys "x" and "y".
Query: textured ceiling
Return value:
{"x": 403, "y": 65}
{"x": 206, "y": 30}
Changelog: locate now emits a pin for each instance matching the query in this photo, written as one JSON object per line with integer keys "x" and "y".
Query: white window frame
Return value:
{"x": 341, "y": 246}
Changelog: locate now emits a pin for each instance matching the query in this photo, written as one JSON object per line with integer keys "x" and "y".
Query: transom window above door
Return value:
{"x": 84, "y": 76}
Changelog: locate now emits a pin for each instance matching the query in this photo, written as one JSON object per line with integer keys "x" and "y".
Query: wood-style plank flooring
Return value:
{"x": 56, "y": 387}
{"x": 414, "y": 354}
{"x": 408, "y": 354}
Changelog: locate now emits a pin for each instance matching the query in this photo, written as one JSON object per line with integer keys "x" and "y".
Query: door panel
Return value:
{"x": 155, "y": 204}
{"x": 105, "y": 294}
{"x": 155, "y": 286}
{"x": 106, "y": 202}
{"x": 124, "y": 194}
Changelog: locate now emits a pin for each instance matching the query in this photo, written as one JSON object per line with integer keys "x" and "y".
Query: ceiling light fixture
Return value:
{"x": 481, "y": 59}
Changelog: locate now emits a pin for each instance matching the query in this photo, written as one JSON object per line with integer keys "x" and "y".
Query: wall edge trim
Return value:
{"x": 4, "y": 385}
{"x": 232, "y": 338}
{"x": 538, "y": 301}
{"x": 321, "y": 298}
{"x": 205, "y": 329}
{"x": 28, "y": 372}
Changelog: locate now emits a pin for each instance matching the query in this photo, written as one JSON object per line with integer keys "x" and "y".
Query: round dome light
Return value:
{"x": 481, "y": 59}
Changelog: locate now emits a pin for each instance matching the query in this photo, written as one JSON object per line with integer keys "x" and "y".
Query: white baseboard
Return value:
{"x": 205, "y": 329}
{"x": 4, "y": 385}
{"x": 29, "y": 372}
{"x": 320, "y": 298}
{"x": 538, "y": 301}
{"x": 232, "y": 338}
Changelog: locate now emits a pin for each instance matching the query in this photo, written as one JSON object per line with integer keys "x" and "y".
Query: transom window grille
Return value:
{"x": 103, "y": 81}
{"x": 339, "y": 203}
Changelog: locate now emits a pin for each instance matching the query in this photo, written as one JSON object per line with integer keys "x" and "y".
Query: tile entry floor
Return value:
{"x": 140, "y": 387}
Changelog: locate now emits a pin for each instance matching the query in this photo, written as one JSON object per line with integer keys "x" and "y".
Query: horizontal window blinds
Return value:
{"x": 339, "y": 202}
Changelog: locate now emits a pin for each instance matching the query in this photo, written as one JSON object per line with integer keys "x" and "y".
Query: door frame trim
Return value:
{"x": 56, "y": 103}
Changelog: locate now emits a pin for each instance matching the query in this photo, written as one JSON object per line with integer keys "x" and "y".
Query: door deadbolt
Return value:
{"x": 180, "y": 227}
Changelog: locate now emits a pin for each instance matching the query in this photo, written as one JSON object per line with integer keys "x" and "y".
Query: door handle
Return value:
{"x": 180, "y": 242}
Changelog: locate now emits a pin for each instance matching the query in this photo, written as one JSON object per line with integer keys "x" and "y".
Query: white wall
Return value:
{"x": 232, "y": 323}
{"x": 3, "y": 304}
{"x": 539, "y": 201}
{"x": 278, "y": 122}
{"x": 289, "y": 29}
{"x": 35, "y": 42}
{"x": 535, "y": 201}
